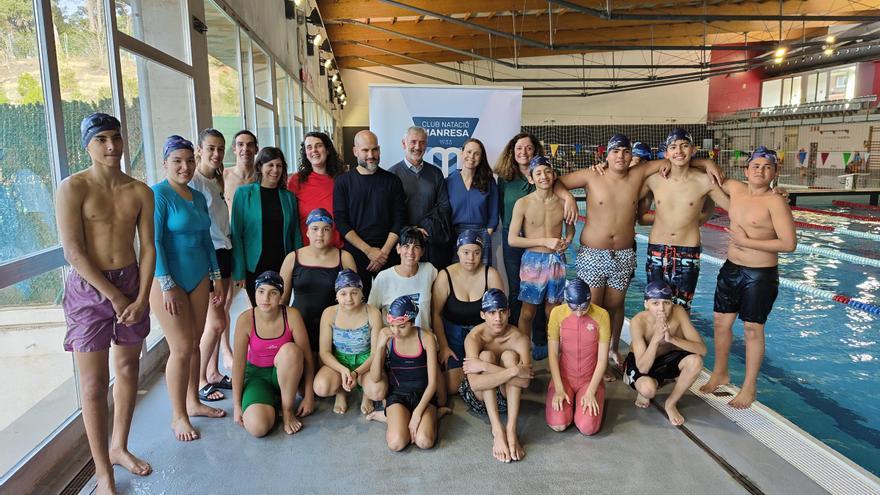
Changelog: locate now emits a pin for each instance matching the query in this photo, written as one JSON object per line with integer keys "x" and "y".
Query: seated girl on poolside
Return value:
{"x": 578, "y": 334}
{"x": 348, "y": 330}
{"x": 409, "y": 357}
{"x": 274, "y": 339}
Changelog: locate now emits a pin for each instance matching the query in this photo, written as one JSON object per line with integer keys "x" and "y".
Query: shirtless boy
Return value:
{"x": 539, "y": 216}
{"x": 607, "y": 259}
{"x": 665, "y": 346}
{"x": 106, "y": 295}
{"x": 497, "y": 367}
{"x": 761, "y": 227}
{"x": 674, "y": 242}
{"x": 244, "y": 146}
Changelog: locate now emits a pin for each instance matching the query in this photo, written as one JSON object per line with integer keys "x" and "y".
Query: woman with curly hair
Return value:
{"x": 313, "y": 183}
{"x": 473, "y": 195}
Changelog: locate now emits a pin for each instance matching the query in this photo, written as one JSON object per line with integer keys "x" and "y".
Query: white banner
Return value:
{"x": 450, "y": 114}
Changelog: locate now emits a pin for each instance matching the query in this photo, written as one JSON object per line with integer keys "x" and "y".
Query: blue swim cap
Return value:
{"x": 493, "y": 300}
{"x": 270, "y": 278}
{"x": 642, "y": 151}
{"x": 401, "y": 310}
{"x": 678, "y": 134}
{"x": 577, "y": 295}
{"x": 764, "y": 152}
{"x": 319, "y": 215}
{"x": 95, "y": 123}
{"x": 618, "y": 141}
{"x": 347, "y": 278}
{"x": 469, "y": 237}
{"x": 174, "y": 143}
{"x": 658, "y": 290}
{"x": 538, "y": 161}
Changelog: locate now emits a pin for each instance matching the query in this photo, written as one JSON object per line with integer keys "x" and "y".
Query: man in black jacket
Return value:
{"x": 427, "y": 201}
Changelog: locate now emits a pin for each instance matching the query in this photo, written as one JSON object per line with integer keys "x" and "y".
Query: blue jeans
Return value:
{"x": 512, "y": 262}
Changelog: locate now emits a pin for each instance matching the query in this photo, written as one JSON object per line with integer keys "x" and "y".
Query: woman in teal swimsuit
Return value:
{"x": 185, "y": 261}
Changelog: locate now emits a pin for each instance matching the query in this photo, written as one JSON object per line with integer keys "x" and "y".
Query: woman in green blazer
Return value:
{"x": 265, "y": 221}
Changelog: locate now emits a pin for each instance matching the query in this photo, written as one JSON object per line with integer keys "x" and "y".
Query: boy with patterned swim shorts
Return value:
{"x": 106, "y": 295}
{"x": 536, "y": 226}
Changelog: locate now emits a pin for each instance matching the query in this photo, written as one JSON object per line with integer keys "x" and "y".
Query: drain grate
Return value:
{"x": 81, "y": 479}
{"x": 824, "y": 466}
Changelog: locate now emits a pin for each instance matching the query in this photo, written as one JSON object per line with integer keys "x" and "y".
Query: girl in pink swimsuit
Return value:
{"x": 578, "y": 335}
{"x": 279, "y": 360}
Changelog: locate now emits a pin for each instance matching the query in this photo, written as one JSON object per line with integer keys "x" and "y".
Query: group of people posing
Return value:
{"x": 382, "y": 280}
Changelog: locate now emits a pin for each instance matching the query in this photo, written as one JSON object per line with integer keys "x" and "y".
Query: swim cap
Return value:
{"x": 764, "y": 152}
{"x": 319, "y": 215}
{"x": 347, "y": 278}
{"x": 642, "y": 151}
{"x": 658, "y": 290}
{"x": 493, "y": 300}
{"x": 678, "y": 134}
{"x": 618, "y": 141}
{"x": 577, "y": 295}
{"x": 538, "y": 161}
{"x": 402, "y": 310}
{"x": 411, "y": 235}
{"x": 95, "y": 123}
{"x": 174, "y": 143}
{"x": 469, "y": 237}
{"x": 270, "y": 278}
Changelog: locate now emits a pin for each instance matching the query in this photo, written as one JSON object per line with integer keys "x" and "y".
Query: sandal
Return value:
{"x": 224, "y": 383}
{"x": 206, "y": 393}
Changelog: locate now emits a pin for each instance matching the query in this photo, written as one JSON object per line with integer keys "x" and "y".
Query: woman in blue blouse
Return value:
{"x": 265, "y": 221}
{"x": 185, "y": 261}
{"x": 473, "y": 196}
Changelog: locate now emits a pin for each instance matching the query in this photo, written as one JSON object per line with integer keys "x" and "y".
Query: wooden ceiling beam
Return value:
{"x": 362, "y": 9}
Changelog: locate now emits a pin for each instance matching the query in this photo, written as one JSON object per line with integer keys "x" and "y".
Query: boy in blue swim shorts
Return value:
{"x": 537, "y": 226}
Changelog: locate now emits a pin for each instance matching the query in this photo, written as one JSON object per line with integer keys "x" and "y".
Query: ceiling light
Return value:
{"x": 298, "y": 3}
{"x": 829, "y": 51}
{"x": 318, "y": 39}
{"x": 328, "y": 63}
{"x": 339, "y": 89}
{"x": 780, "y": 52}
{"x": 335, "y": 77}
{"x": 830, "y": 38}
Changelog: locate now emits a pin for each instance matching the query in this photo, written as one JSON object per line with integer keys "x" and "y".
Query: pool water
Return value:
{"x": 822, "y": 358}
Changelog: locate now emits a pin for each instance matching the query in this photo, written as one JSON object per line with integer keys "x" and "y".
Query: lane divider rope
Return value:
{"x": 827, "y": 228}
{"x": 850, "y": 204}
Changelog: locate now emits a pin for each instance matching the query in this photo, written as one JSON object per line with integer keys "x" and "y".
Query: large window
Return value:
{"x": 827, "y": 85}
{"x": 159, "y": 23}
{"x": 223, "y": 67}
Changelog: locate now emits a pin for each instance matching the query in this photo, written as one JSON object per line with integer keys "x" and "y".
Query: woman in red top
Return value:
{"x": 313, "y": 183}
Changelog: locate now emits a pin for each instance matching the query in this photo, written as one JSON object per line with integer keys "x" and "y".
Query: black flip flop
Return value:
{"x": 206, "y": 391}
{"x": 224, "y": 383}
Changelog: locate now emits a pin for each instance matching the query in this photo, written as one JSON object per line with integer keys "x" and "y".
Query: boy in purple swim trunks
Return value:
{"x": 536, "y": 226}
{"x": 106, "y": 296}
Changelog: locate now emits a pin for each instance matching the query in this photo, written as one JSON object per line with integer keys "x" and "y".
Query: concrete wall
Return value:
{"x": 682, "y": 104}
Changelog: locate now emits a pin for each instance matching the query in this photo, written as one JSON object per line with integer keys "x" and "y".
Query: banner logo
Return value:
{"x": 446, "y": 136}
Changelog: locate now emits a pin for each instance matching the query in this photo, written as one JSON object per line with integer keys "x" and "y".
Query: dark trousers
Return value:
{"x": 438, "y": 255}
{"x": 512, "y": 261}
{"x": 361, "y": 261}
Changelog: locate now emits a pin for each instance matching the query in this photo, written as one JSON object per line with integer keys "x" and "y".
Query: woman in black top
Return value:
{"x": 310, "y": 272}
{"x": 455, "y": 302}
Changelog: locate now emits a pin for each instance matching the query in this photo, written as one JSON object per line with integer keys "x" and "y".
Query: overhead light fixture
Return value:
{"x": 339, "y": 89}
{"x": 328, "y": 63}
{"x": 830, "y": 39}
{"x": 318, "y": 39}
{"x": 314, "y": 18}
{"x": 335, "y": 77}
{"x": 829, "y": 51}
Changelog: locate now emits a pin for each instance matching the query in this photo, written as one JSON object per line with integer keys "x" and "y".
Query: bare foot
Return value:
{"x": 366, "y": 405}
{"x": 377, "y": 416}
{"x": 292, "y": 424}
{"x": 443, "y": 411}
{"x": 500, "y": 448}
{"x": 124, "y": 458}
{"x": 211, "y": 377}
{"x": 203, "y": 410}
{"x": 743, "y": 399}
{"x": 642, "y": 401}
{"x": 714, "y": 382}
{"x": 675, "y": 417}
{"x": 184, "y": 430}
{"x": 516, "y": 451}
{"x": 106, "y": 487}
{"x": 341, "y": 404}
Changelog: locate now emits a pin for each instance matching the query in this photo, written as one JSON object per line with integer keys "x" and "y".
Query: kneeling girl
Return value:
{"x": 408, "y": 355}
{"x": 275, "y": 341}
{"x": 578, "y": 334}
